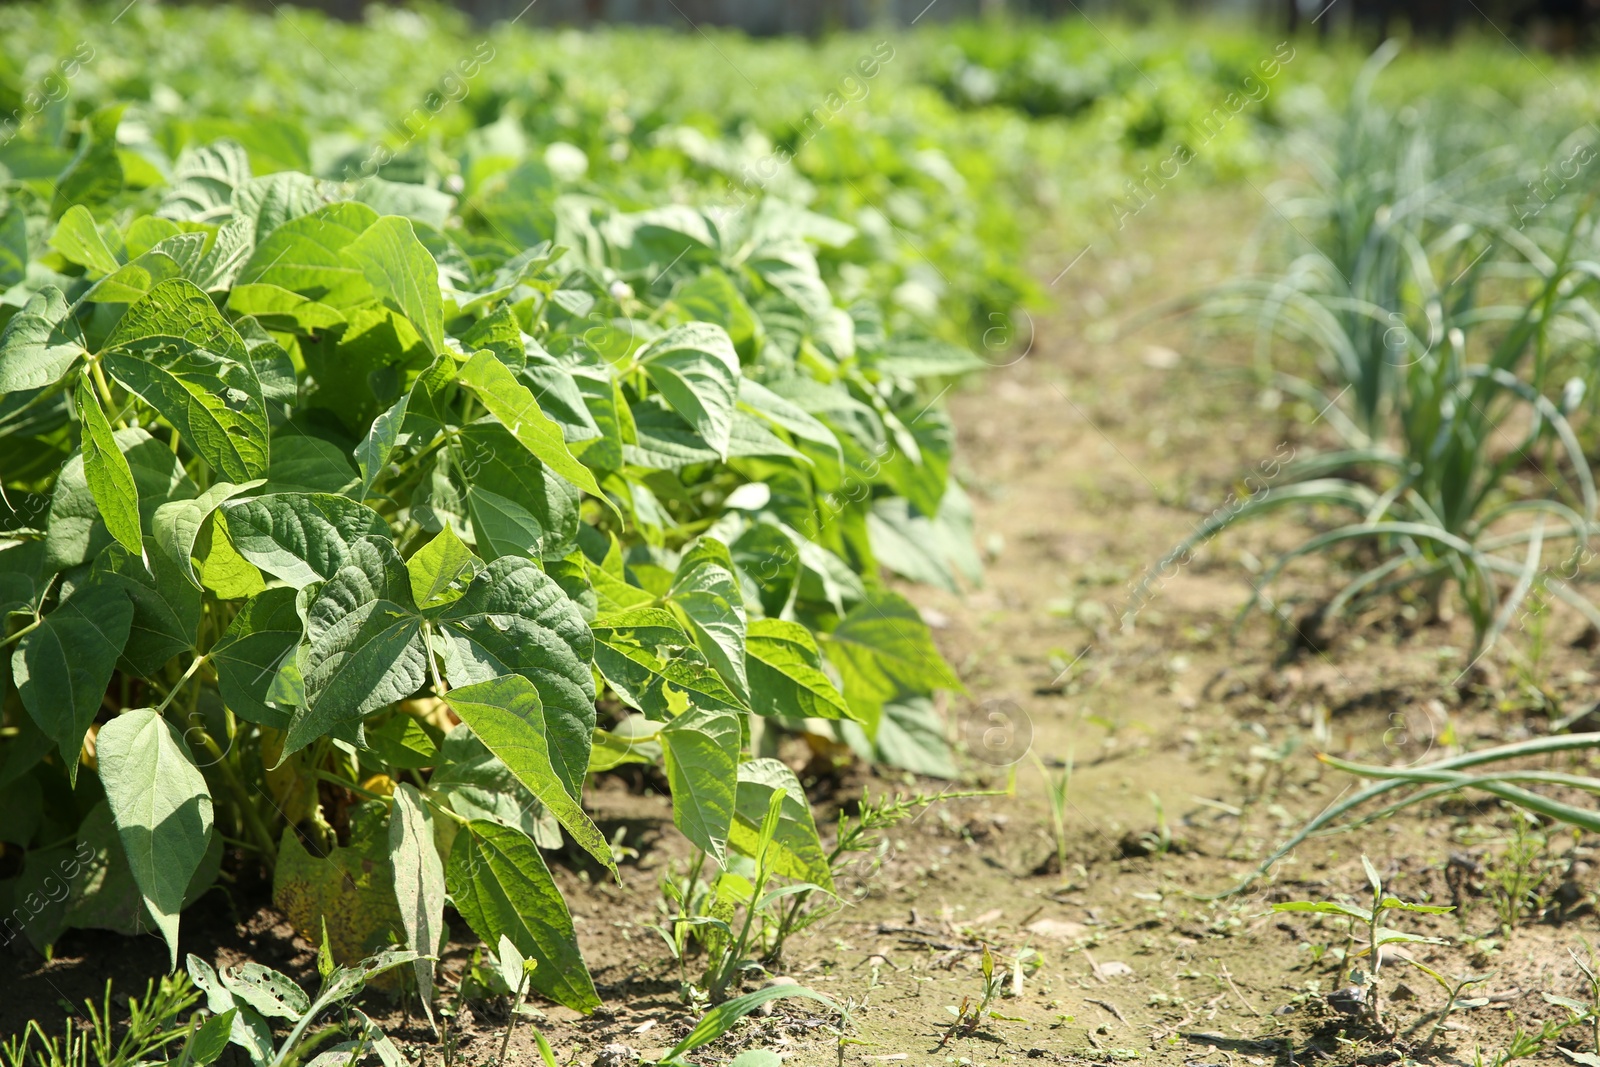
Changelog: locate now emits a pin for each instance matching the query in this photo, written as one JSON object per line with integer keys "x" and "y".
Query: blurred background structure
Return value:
{"x": 1556, "y": 24}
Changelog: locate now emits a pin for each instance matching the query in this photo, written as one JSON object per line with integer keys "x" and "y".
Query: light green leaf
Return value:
{"x": 162, "y": 809}
{"x": 696, "y": 369}
{"x": 372, "y": 454}
{"x": 519, "y": 505}
{"x": 214, "y": 402}
{"x": 403, "y": 274}
{"x": 514, "y": 405}
{"x": 508, "y": 717}
{"x": 702, "y": 759}
{"x": 418, "y": 883}
{"x": 402, "y": 742}
{"x": 273, "y": 302}
{"x": 300, "y": 537}
{"x": 78, "y": 239}
{"x": 706, "y": 596}
{"x": 177, "y": 523}
{"x": 515, "y": 619}
{"x": 107, "y": 471}
{"x": 501, "y": 886}
{"x": 786, "y": 677}
{"x": 40, "y": 343}
{"x": 796, "y": 850}
{"x": 441, "y": 569}
{"x": 304, "y": 255}
{"x": 881, "y": 649}
{"x": 365, "y": 643}
{"x": 61, "y": 670}
{"x": 643, "y": 651}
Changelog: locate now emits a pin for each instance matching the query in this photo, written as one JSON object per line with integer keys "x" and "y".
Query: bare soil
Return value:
{"x": 1191, "y": 745}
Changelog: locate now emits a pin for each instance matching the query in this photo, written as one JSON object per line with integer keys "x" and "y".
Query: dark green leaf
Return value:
{"x": 61, "y": 670}
{"x": 300, "y": 537}
{"x": 514, "y": 619}
{"x": 501, "y": 886}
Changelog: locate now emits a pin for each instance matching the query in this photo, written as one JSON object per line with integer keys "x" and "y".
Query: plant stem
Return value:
{"x": 194, "y": 669}
{"x": 34, "y": 625}
{"x": 241, "y": 796}
{"x": 511, "y": 1023}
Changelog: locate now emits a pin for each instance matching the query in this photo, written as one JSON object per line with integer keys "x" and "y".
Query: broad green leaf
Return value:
{"x": 304, "y": 255}
{"x": 211, "y": 1038}
{"x": 514, "y": 405}
{"x": 924, "y": 357}
{"x": 282, "y": 307}
{"x": 881, "y": 649}
{"x": 247, "y": 656}
{"x": 78, "y": 239}
{"x": 61, "y": 670}
{"x": 225, "y": 573}
{"x": 166, "y": 609}
{"x": 214, "y": 403}
{"x": 478, "y": 785}
{"x": 519, "y": 505}
{"x": 403, "y": 274}
{"x": 515, "y": 619}
{"x": 786, "y": 677}
{"x": 365, "y": 643}
{"x": 106, "y": 470}
{"x": 696, "y": 369}
{"x": 177, "y": 523}
{"x": 104, "y": 895}
{"x": 441, "y": 569}
{"x": 644, "y": 651}
{"x": 40, "y": 343}
{"x": 785, "y": 414}
{"x": 702, "y": 760}
{"x": 911, "y": 735}
{"x": 508, "y": 717}
{"x": 271, "y": 993}
{"x": 179, "y": 310}
{"x": 162, "y": 808}
{"x": 796, "y": 851}
{"x": 501, "y": 886}
{"x": 418, "y": 883}
{"x": 706, "y": 596}
{"x": 402, "y": 742}
{"x": 306, "y": 463}
{"x": 300, "y": 537}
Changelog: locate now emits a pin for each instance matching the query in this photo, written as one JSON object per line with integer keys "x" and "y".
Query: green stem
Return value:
{"x": 34, "y": 625}
{"x": 241, "y": 796}
{"x": 194, "y": 668}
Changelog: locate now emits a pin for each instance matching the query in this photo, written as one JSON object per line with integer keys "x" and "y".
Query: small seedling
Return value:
{"x": 970, "y": 1016}
{"x": 1376, "y": 935}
